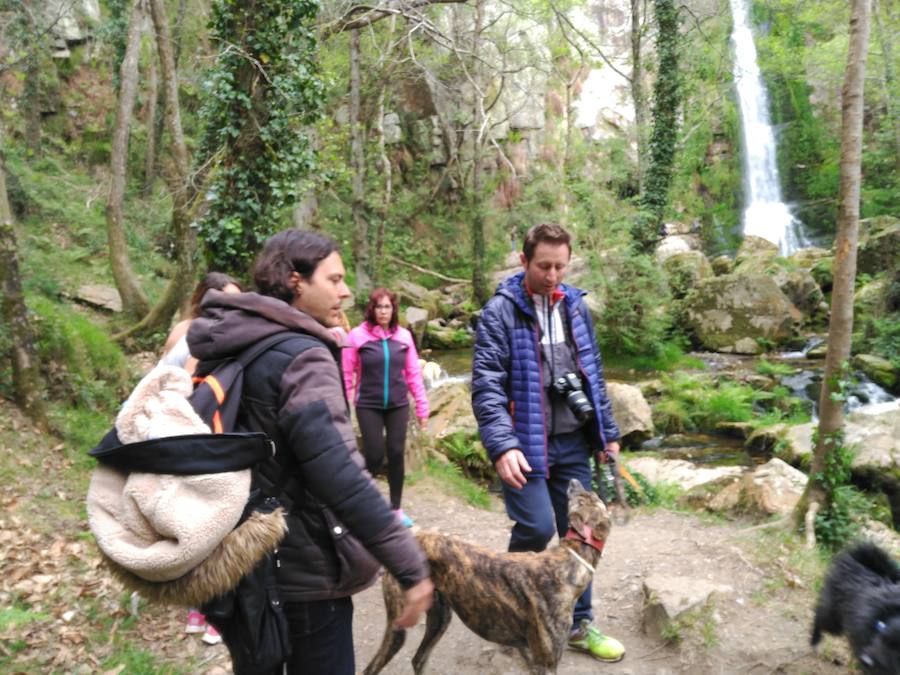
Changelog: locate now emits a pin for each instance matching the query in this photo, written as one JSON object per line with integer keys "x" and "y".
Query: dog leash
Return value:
{"x": 581, "y": 560}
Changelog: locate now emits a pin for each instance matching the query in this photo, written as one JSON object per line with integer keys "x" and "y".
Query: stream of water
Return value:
{"x": 706, "y": 448}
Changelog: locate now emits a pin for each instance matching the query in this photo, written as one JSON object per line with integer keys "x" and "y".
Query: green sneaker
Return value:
{"x": 587, "y": 638}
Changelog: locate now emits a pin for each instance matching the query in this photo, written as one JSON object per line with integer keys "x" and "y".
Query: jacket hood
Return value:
{"x": 231, "y": 322}
{"x": 513, "y": 287}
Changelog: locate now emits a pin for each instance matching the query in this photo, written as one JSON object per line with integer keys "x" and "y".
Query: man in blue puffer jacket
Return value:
{"x": 534, "y": 331}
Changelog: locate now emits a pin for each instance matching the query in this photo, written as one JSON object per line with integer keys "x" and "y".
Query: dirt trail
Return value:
{"x": 761, "y": 627}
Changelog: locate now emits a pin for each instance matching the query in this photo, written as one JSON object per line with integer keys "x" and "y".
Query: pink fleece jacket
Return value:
{"x": 394, "y": 343}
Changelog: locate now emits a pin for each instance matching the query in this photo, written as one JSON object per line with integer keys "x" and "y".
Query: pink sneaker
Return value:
{"x": 211, "y": 636}
{"x": 196, "y": 622}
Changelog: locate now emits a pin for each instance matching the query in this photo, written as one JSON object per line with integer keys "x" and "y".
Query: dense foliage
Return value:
{"x": 666, "y": 102}
{"x": 261, "y": 96}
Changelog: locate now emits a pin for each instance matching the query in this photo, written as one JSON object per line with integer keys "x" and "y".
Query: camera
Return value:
{"x": 569, "y": 387}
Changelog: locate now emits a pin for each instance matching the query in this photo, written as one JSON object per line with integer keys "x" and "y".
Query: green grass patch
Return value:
{"x": 19, "y": 615}
{"x": 451, "y": 478}
{"x": 669, "y": 356}
{"x": 764, "y": 367}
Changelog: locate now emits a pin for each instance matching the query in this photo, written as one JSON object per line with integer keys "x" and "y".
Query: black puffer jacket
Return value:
{"x": 294, "y": 393}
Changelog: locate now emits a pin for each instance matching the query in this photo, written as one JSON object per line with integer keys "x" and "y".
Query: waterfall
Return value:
{"x": 765, "y": 214}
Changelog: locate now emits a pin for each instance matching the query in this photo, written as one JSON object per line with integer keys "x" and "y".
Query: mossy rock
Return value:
{"x": 879, "y": 370}
{"x": 879, "y": 245}
{"x": 740, "y": 313}
{"x": 685, "y": 269}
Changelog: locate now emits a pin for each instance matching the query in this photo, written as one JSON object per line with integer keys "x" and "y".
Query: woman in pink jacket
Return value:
{"x": 381, "y": 369}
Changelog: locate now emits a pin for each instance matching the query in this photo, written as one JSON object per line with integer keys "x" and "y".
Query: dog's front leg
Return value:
{"x": 541, "y": 654}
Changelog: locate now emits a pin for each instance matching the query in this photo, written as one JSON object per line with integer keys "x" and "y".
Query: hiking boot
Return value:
{"x": 211, "y": 636}
{"x": 196, "y": 622}
{"x": 404, "y": 519}
{"x": 587, "y": 638}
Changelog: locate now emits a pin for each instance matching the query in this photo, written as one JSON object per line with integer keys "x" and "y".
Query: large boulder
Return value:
{"x": 631, "y": 412}
{"x": 681, "y": 472}
{"x": 806, "y": 258}
{"x": 685, "y": 269}
{"x": 871, "y": 299}
{"x": 677, "y": 243}
{"x": 772, "y": 489}
{"x": 756, "y": 253}
{"x": 413, "y": 294}
{"x": 733, "y": 313}
{"x": 668, "y": 599}
{"x": 98, "y": 296}
{"x": 874, "y": 431}
{"x": 451, "y": 410}
{"x": 879, "y": 245}
{"x": 416, "y": 320}
{"x": 722, "y": 264}
{"x": 438, "y": 335}
{"x": 802, "y": 290}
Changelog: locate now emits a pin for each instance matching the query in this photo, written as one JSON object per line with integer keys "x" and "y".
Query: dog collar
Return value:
{"x": 586, "y": 536}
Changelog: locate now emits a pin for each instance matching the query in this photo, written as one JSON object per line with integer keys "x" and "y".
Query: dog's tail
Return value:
{"x": 875, "y": 559}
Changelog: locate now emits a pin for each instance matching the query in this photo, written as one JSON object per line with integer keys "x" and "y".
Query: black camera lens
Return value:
{"x": 569, "y": 386}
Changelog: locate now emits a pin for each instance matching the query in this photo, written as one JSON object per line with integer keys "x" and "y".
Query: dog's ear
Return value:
{"x": 575, "y": 487}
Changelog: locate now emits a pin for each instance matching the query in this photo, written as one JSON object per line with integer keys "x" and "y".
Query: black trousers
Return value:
{"x": 321, "y": 639}
{"x": 384, "y": 432}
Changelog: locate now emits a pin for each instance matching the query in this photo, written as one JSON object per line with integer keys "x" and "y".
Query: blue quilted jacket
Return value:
{"x": 507, "y": 385}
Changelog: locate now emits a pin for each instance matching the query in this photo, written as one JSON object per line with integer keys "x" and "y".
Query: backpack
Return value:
{"x": 172, "y": 511}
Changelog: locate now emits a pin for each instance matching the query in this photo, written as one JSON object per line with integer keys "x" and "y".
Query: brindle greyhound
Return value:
{"x": 522, "y": 600}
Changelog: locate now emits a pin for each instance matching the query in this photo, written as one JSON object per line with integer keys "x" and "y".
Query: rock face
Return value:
{"x": 667, "y": 598}
{"x": 732, "y": 313}
{"x": 879, "y": 245}
{"x": 772, "y": 489}
{"x": 416, "y": 320}
{"x": 631, "y": 412}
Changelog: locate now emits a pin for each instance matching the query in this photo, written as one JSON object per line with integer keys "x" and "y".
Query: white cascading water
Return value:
{"x": 765, "y": 215}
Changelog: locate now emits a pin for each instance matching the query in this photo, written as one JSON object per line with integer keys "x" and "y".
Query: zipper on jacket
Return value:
{"x": 387, "y": 369}
{"x": 597, "y": 413}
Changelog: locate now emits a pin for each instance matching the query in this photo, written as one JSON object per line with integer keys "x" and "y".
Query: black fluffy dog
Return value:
{"x": 861, "y": 598}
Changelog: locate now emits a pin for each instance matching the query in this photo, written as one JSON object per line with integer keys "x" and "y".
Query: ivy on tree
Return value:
{"x": 261, "y": 96}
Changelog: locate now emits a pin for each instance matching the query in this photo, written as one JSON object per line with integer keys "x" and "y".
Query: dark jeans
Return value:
{"x": 541, "y": 508}
{"x": 382, "y": 429}
{"x": 321, "y": 639}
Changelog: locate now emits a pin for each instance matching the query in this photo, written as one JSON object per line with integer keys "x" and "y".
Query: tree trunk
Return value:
{"x": 182, "y": 279}
{"x": 479, "y": 282}
{"x": 358, "y": 165}
{"x": 637, "y": 90}
{"x": 387, "y": 171}
{"x": 666, "y": 101}
{"x": 134, "y": 301}
{"x": 887, "y": 75}
{"x": 26, "y": 377}
{"x": 149, "y": 123}
{"x": 160, "y": 111}
{"x": 840, "y": 327}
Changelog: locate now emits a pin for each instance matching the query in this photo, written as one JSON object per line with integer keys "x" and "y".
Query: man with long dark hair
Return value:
{"x": 340, "y": 528}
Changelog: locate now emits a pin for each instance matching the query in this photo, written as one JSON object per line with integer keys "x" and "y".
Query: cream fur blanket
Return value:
{"x": 160, "y": 526}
